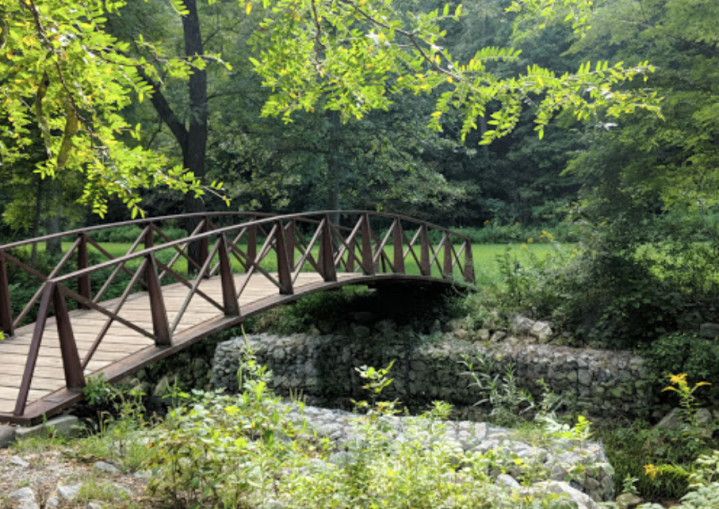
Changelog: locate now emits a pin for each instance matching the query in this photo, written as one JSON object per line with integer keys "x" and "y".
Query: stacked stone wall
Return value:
{"x": 601, "y": 384}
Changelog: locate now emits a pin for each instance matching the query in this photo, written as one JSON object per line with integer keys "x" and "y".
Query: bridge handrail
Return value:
{"x": 226, "y": 229}
{"x": 134, "y": 222}
{"x": 173, "y": 217}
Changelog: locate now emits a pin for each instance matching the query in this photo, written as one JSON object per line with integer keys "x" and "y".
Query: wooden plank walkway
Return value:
{"x": 121, "y": 344}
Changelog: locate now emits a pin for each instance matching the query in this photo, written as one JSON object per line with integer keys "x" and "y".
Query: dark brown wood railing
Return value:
{"x": 371, "y": 246}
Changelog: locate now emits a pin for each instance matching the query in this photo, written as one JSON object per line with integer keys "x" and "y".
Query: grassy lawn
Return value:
{"x": 485, "y": 258}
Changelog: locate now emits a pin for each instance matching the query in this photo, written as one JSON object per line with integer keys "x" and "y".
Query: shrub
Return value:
{"x": 220, "y": 451}
{"x": 684, "y": 353}
{"x": 630, "y": 449}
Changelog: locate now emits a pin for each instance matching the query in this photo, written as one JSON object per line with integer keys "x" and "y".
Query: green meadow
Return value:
{"x": 485, "y": 257}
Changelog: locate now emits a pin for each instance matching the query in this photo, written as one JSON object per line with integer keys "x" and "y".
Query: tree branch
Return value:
{"x": 165, "y": 111}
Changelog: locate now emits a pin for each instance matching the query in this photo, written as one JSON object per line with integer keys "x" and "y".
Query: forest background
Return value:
{"x": 638, "y": 191}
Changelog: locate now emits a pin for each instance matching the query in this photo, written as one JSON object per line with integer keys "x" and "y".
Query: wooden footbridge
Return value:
{"x": 100, "y": 311}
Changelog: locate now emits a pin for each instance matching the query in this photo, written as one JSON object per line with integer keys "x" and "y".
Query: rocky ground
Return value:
{"x": 41, "y": 475}
{"x": 53, "y": 479}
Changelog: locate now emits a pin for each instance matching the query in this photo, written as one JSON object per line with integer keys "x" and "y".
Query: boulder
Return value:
{"x": 498, "y": 336}
{"x": 68, "y": 493}
{"x": 563, "y": 489}
{"x": 106, "y": 467}
{"x": 24, "y": 498}
{"x": 507, "y": 481}
{"x": 65, "y": 426}
{"x": 628, "y": 501}
{"x": 7, "y": 436}
{"x": 542, "y": 331}
{"x": 703, "y": 417}
{"x": 19, "y": 462}
{"x": 520, "y": 325}
{"x": 673, "y": 420}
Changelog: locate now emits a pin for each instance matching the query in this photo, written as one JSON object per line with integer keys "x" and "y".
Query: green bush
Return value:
{"x": 527, "y": 285}
{"x": 613, "y": 300}
{"x": 128, "y": 234}
{"x": 685, "y": 353}
{"x": 629, "y": 450}
{"x": 220, "y": 451}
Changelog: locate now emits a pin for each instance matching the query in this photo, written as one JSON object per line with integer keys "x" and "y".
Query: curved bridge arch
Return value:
{"x": 96, "y": 311}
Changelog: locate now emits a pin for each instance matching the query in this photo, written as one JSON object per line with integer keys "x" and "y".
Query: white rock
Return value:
{"x": 564, "y": 489}
{"x": 52, "y": 502}
{"x": 542, "y": 331}
{"x": 520, "y": 325}
{"x": 19, "y": 462}
{"x": 507, "y": 481}
{"x": 106, "y": 467}
{"x": 68, "y": 492}
{"x": 94, "y": 505}
{"x": 25, "y": 499}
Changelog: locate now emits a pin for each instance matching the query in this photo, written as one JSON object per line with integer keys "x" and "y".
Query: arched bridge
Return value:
{"x": 106, "y": 308}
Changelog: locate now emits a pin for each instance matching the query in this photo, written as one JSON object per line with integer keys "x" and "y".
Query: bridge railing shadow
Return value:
{"x": 276, "y": 249}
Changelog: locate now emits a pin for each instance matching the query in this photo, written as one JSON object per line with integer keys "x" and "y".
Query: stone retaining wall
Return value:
{"x": 600, "y": 384}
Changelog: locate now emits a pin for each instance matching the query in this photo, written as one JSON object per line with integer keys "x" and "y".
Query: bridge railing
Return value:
{"x": 277, "y": 249}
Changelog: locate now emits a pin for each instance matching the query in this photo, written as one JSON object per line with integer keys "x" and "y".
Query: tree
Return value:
{"x": 63, "y": 73}
{"x": 66, "y": 74}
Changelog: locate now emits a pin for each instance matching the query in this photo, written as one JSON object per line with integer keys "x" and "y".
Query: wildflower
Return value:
{"x": 677, "y": 379}
{"x": 530, "y": 239}
{"x": 651, "y": 471}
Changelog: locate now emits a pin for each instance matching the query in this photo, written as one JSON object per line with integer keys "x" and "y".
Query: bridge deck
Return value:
{"x": 122, "y": 350}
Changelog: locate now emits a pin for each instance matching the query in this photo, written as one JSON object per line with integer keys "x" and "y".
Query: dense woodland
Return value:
{"x": 212, "y": 123}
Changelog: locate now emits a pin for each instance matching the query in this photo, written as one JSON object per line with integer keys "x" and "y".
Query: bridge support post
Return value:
{"x": 424, "y": 263}
{"x": 74, "y": 378}
{"x": 83, "y": 282}
{"x": 327, "y": 257}
{"x": 34, "y": 349}
{"x": 447, "y": 265}
{"x": 229, "y": 292}
{"x": 284, "y": 271}
{"x": 468, "y": 263}
{"x": 204, "y": 244}
{"x": 291, "y": 242}
{"x": 252, "y": 242}
{"x": 160, "y": 325}
{"x": 6, "y": 325}
{"x": 398, "y": 251}
{"x": 368, "y": 266}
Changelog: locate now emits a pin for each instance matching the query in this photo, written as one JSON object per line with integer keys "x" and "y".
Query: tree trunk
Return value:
{"x": 334, "y": 162}
{"x": 195, "y": 147}
{"x": 190, "y": 136}
{"x": 53, "y": 247}
{"x": 36, "y": 221}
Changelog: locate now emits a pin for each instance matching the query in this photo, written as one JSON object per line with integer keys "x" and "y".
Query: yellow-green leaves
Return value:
{"x": 353, "y": 55}
{"x": 64, "y": 74}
